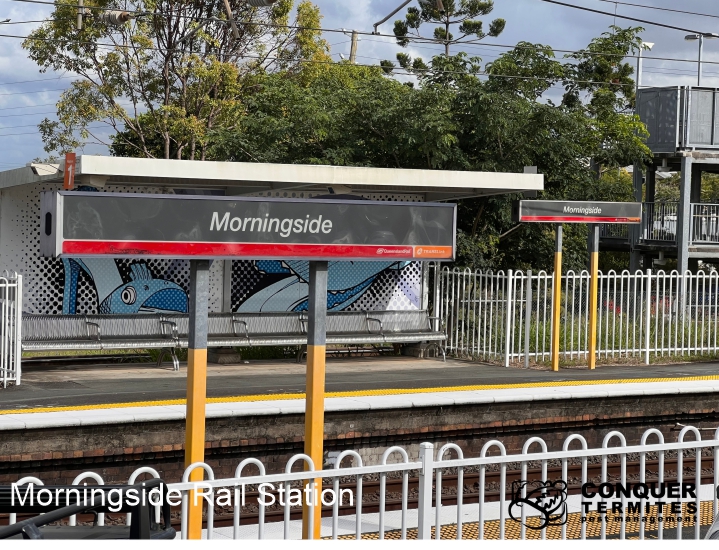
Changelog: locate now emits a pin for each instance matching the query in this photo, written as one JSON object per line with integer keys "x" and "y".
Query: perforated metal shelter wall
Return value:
{"x": 129, "y": 286}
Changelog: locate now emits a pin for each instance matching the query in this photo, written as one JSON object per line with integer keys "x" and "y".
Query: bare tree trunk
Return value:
{"x": 446, "y": 37}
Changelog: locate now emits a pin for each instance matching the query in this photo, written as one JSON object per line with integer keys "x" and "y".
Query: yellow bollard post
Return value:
{"x": 196, "y": 386}
{"x": 593, "y": 293}
{"x": 315, "y": 393}
{"x": 557, "y": 298}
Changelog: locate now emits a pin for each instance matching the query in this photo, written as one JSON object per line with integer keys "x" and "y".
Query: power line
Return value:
{"x": 29, "y": 114}
{"x": 661, "y": 9}
{"x": 623, "y": 17}
{"x": 38, "y": 133}
{"x": 20, "y": 126}
{"x": 27, "y": 107}
{"x": 37, "y": 80}
{"x": 407, "y": 37}
{"x": 471, "y": 42}
{"x": 34, "y": 92}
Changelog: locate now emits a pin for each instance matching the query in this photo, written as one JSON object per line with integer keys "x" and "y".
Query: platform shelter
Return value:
{"x": 109, "y": 286}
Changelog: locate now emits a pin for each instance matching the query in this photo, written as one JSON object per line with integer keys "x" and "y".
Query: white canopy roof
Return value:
{"x": 239, "y": 178}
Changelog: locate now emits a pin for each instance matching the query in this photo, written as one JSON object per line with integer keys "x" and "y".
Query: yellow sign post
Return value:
{"x": 593, "y": 293}
{"x": 315, "y": 393}
{"x": 557, "y": 297}
{"x": 196, "y": 386}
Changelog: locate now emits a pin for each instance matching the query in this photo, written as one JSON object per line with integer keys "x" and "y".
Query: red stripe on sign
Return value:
{"x": 576, "y": 219}
{"x": 243, "y": 250}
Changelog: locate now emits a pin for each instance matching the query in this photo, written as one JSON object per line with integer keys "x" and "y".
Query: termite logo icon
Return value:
{"x": 549, "y": 498}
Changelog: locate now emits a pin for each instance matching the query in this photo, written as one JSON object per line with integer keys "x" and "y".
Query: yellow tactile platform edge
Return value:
{"x": 574, "y": 525}
{"x": 363, "y": 393}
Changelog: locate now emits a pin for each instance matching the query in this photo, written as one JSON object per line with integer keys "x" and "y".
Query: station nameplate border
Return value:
{"x": 123, "y": 225}
{"x": 577, "y": 212}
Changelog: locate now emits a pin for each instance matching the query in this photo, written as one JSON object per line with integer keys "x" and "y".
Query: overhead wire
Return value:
{"x": 106, "y": 125}
{"x": 397, "y": 70}
{"x": 659, "y": 8}
{"x": 475, "y": 42}
{"x": 635, "y": 19}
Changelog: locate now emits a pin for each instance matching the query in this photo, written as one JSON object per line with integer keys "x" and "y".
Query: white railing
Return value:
{"x": 705, "y": 223}
{"x": 503, "y": 515}
{"x": 497, "y": 495}
{"x": 659, "y": 221}
{"x": 506, "y": 317}
{"x": 10, "y": 327}
{"x": 659, "y": 224}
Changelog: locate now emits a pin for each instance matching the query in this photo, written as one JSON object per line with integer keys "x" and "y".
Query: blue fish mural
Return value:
{"x": 146, "y": 294}
{"x": 346, "y": 283}
{"x": 143, "y": 293}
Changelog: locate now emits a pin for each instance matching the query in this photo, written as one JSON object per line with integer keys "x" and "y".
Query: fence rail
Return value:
{"x": 10, "y": 327}
{"x": 705, "y": 223}
{"x": 499, "y": 505}
{"x": 506, "y": 317}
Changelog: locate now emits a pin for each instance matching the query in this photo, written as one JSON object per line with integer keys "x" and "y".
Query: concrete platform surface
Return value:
{"x": 84, "y": 385}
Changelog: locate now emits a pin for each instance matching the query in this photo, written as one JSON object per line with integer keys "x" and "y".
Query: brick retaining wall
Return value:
{"x": 57, "y": 455}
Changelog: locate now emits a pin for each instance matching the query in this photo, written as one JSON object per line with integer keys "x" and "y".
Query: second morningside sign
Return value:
{"x": 80, "y": 224}
{"x": 577, "y": 212}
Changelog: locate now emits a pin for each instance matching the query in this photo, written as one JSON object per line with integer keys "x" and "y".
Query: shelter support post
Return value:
{"x": 315, "y": 393}
{"x": 593, "y": 290}
{"x": 685, "y": 216}
{"x": 196, "y": 386}
{"x": 557, "y": 298}
{"x": 635, "y": 257}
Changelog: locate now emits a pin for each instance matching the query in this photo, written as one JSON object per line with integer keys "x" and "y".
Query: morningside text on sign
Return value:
{"x": 202, "y": 228}
{"x": 593, "y": 213}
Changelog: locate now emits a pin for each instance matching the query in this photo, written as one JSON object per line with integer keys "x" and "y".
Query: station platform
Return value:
{"x": 61, "y": 395}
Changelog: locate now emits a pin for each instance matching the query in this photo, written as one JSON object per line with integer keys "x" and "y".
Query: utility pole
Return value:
{"x": 353, "y": 49}
{"x": 80, "y": 13}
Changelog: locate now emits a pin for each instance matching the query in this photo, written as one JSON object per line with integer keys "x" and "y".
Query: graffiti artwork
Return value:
{"x": 122, "y": 286}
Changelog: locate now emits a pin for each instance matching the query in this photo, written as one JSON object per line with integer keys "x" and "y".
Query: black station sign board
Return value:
{"x": 577, "y": 212}
{"x": 83, "y": 224}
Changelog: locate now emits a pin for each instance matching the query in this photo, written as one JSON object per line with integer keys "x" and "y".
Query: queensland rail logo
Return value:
{"x": 548, "y": 499}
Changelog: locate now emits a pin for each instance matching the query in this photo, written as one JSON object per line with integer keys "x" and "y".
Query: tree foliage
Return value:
{"x": 453, "y": 120}
{"x": 163, "y": 80}
{"x": 444, "y": 15}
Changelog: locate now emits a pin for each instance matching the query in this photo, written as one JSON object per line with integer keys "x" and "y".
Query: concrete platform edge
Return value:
{"x": 102, "y": 415}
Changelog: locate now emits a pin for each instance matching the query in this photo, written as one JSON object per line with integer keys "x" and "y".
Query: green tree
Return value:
{"x": 452, "y": 120}
{"x": 163, "y": 80}
{"x": 445, "y": 15}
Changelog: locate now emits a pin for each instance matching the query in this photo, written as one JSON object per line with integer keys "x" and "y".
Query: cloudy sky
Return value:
{"x": 26, "y": 96}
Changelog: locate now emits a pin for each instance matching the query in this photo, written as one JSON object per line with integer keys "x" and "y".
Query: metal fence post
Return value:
{"x": 647, "y": 316}
{"x": 527, "y": 318}
{"x": 424, "y": 525}
{"x": 18, "y": 330}
{"x": 436, "y": 299}
{"x": 508, "y": 325}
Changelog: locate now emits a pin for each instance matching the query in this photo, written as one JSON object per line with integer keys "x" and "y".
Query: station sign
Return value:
{"x": 122, "y": 225}
{"x": 577, "y": 212}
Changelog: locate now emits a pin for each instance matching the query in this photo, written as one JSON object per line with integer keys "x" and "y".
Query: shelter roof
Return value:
{"x": 241, "y": 178}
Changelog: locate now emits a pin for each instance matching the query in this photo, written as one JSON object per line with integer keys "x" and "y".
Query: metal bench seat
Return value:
{"x": 97, "y": 332}
{"x": 169, "y": 332}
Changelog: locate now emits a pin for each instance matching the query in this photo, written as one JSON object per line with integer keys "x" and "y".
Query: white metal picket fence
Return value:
{"x": 497, "y": 504}
{"x": 10, "y": 327}
{"x": 506, "y": 316}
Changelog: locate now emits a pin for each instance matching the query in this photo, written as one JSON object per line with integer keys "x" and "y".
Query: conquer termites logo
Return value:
{"x": 548, "y": 498}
